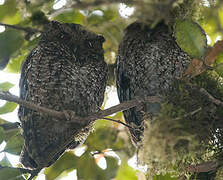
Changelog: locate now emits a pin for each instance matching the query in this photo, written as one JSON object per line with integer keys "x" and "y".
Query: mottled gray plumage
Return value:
{"x": 148, "y": 63}
{"x": 66, "y": 71}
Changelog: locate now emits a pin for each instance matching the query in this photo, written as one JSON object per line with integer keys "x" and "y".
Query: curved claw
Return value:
{"x": 34, "y": 173}
{"x": 69, "y": 114}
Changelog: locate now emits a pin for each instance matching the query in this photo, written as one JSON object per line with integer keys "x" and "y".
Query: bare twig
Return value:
{"x": 203, "y": 167}
{"x": 5, "y": 95}
{"x": 118, "y": 121}
{"x": 28, "y": 30}
{"x": 207, "y": 94}
{"x": 189, "y": 114}
{"x": 210, "y": 97}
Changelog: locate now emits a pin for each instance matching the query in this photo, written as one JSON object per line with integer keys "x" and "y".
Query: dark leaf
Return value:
{"x": 10, "y": 41}
{"x": 7, "y": 173}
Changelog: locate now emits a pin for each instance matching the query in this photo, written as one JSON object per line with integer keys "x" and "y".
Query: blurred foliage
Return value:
{"x": 106, "y": 18}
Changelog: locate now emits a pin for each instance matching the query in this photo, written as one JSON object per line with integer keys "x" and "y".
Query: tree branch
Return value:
{"x": 203, "y": 167}
{"x": 28, "y": 30}
{"x": 5, "y": 95}
{"x": 207, "y": 94}
{"x": 10, "y": 126}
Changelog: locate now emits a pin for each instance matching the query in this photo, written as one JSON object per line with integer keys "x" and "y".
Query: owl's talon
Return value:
{"x": 69, "y": 114}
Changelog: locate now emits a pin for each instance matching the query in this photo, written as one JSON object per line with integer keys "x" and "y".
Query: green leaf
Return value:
{"x": 88, "y": 170}
{"x": 8, "y": 9}
{"x": 9, "y": 134}
{"x": 191, "y": 38}
{"x": 2, "y": 121}
{"x": 10, "y": 41}
{"x": 2, "y": 134}
{"x": 5, "y": 162}
{"x": 104, "y": 138}
{"x": 219, "y": 58}
{"x": 7, "y": 173}
{"x": 14, "y": 64}
{"x": 6, "y": 86}
{"x": 8, "y": 107}
{"x": 126, "y": 172}
{"x": 67, "y": 162}
{"x": 71, "y": 17}
{"x": 14, "y": 144}
{"x": 164, "y": 177}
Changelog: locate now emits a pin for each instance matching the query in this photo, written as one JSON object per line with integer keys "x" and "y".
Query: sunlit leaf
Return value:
{"x": 104, "y": 138}
{"x": 6, "y": 86}
{"x": 67, "y": 162}
{"x": 164, "y": 177}
{"x": 8, "y": 107}
{"x": 191, "y": 38}
{"x": 7, "y": 173}
{"x": 219, "y": 58}
{"x": 126, "y": 172}
{"x": 110, "y": 14}
{"x": 88, "y": 170}
{"x": 94, "y": 19}
{"x": 71, "y": 17}
{"x": 2, "y": 121}
{"x": 7, "y": 9}
{"x": 14, "y": 144}
{"x": 220, "y": 15}
{"x": 5, "y": 162}
{"x": 2, "y": 134}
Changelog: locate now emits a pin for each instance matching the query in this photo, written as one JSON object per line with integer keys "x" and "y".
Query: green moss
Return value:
{"x": 185, "y": 132}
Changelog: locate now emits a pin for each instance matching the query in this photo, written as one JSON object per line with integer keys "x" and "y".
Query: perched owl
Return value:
{"x": 65, "y": 72}
{"x": 148, "y": 62}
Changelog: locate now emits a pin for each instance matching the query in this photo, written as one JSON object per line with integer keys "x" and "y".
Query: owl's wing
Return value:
{"x": 23, "y": 85}
{"x": 126, "y": 92}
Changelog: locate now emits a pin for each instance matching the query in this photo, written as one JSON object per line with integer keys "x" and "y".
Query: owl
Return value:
{"x": 148, "y": 63}
{"x": 65, "y": 72}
